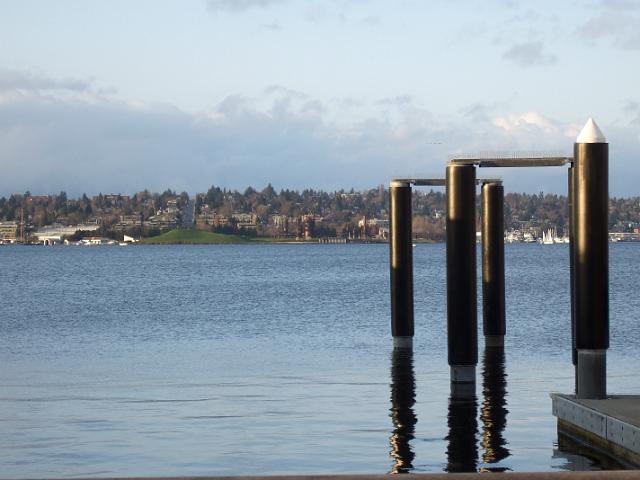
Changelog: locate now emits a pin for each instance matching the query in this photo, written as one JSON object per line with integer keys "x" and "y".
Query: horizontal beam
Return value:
{"x": 437, "y": 182}
{"x": 515, "y": 162}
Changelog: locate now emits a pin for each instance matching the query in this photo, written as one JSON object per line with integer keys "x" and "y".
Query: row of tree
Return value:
{"x": 340, "y": 210}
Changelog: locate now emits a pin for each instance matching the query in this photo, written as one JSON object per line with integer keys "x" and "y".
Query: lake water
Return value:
{"x": 272, "y": 359}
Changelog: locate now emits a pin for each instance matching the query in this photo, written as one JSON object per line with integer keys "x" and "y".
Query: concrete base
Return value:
{"x": 611, "y": 425}
{"x": 403, "y": 342}
{"x": 494, "y": 340}
{"x": 592, "y": 374}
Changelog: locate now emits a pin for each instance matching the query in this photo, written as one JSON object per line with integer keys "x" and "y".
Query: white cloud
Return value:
{"x": 12, "y": 80}
{"x": 617, "y": 23}
{"x": 238, "y": 6}
{"x": 91, "y": 143}
{"x": 527, "y": 120}
{"x": 528, "y": 54}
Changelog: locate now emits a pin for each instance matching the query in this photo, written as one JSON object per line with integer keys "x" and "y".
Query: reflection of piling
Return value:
{"x": 401, "y": 259}
{"x": 591, "y": 260}
{"x": 493, "y": 412}
{"x": 462, "y": 447}
{"x": 493, "y": 307}
{"x": 461, "y": 275}
{"x": 403, "y": 398}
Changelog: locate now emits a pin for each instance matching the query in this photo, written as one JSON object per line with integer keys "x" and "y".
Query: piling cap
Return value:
{"x": 591, "y": 133}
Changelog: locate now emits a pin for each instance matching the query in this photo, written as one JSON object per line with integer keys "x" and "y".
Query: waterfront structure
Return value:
{"x": 56, "y": 233}
{"x": 8, "y": 232}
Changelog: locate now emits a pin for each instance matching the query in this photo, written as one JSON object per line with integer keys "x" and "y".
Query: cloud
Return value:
{"x": 30, "y": 81}
{"x": 239, "y": 6}
{"x": 313, "y": 11}
{"x": 632, "y": 109}
{"x": 528, "y": 54}
{"x": 92, "y": 143}
{"x": 620, "y": 28}
{"x": 273, "y": 26}
{"x": 618, "y": 5}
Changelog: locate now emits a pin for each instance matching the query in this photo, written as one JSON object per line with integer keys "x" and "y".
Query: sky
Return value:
{"x": 117, "y": 96}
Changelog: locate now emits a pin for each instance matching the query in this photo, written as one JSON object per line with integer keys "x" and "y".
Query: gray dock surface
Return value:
{"x": 611, "y": 425}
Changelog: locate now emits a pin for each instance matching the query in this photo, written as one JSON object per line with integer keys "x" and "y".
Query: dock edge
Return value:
{"x": 612, "y": 436}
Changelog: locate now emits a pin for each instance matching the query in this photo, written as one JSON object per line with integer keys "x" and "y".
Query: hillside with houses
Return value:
{"x": 285, "y": 214}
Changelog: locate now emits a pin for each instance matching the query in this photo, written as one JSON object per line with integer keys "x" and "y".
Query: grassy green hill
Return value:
{"x": 195, "y": 237}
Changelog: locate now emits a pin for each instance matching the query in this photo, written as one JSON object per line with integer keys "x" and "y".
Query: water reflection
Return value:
{"x": 580, "y": 457}
{"x": 462, "y": 447}
{"x": 494, "y": 412}
{"x": 403, "y": 398}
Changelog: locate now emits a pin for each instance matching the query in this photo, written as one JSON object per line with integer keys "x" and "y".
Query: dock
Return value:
{"x": 610, "y": 426}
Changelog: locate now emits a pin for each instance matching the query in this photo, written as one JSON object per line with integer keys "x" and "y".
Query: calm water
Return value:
{"x": 219, "y": 360}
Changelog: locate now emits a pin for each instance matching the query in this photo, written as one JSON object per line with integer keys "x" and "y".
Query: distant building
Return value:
{"x": 8, "y": 231}
{"x": 55, "y": 233}
{"x": 246, "y": 220}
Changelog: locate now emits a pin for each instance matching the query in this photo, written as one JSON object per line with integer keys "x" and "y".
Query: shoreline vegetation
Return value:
{"x": 267, "y": 216}
{"x": 180, "y": 236}
{"x": 192, "y": 236}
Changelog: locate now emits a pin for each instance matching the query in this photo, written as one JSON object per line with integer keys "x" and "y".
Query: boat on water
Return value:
{"x": 550, "y": 237}
{"x": 547, "y": 237}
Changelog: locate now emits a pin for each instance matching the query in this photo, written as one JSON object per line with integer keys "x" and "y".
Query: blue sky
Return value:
{"x": 118, "y": 96}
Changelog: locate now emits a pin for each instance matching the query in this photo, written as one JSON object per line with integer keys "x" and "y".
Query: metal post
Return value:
{"x": 493, "y": 307}
{"x": 572, "y": 289}
{"x": 591, "y": 204}
{"x": 401, "y": 264}
{"x": 461, "y": 276}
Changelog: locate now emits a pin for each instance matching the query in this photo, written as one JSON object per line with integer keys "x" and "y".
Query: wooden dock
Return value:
{"x": 610, "y": 426}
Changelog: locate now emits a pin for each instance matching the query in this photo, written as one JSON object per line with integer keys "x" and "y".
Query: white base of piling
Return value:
{"x": 494, "y": 340}
{"x": 591, "y": 374}
{"x": 403, "y": 342}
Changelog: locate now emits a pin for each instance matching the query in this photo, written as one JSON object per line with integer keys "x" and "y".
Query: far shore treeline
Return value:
{"x": 269, "y": 214}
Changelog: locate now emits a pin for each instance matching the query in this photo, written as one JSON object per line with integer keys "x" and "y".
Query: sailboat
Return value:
{"x": 547, "y": 237}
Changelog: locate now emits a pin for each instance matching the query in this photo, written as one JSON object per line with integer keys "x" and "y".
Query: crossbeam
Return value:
{"x": 438, "y": 182}
{"x": 515, "y": 162}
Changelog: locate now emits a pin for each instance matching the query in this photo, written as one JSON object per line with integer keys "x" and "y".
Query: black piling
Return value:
{"x": 591, "y": 260}
{"x": 572, "y": 289}
{"x": 401, "y": 263}
{"x": 493, "y": 306}
{"x": 461, "y": 276}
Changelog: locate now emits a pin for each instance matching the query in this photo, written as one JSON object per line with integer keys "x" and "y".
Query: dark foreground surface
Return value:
{"x": 604, "y": 474}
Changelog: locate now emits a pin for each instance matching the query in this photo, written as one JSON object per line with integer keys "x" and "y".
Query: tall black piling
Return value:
{"x": 572, "y": 289}
{"x": 493, "y": 307}
{"x": 591, "y": 260}
{"x": 462, "y": 319}
{"x": 401, "y": 262}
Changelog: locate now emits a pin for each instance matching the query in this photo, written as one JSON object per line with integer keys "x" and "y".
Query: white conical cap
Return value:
{"x": 591, "y": 133}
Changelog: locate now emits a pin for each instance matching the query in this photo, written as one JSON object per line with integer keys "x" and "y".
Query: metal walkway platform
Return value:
{"x": 611, "y": 425}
